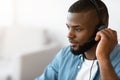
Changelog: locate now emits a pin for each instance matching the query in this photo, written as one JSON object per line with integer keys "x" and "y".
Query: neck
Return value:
{"x": 91, "y": 54}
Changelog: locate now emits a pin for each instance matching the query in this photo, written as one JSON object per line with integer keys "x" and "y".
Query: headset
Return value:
{"x": 101, "y": 25}
{"x": 91, "y": 42}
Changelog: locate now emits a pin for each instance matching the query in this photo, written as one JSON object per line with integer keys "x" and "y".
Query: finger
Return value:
{"x": 113, "y": 33}
{"x": 97, "y": 38}
{"x": 106, "y": 34}
{"x": 102, "y": 34}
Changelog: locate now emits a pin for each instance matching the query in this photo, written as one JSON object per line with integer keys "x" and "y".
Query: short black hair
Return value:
{"x": 87, "y": 5}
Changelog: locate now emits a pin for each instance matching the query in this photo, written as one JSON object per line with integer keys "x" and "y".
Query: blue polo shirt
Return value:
{"x": 65, "y": 66}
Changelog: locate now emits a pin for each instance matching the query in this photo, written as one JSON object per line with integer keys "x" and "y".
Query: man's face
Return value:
{"x": 81, "y": 27}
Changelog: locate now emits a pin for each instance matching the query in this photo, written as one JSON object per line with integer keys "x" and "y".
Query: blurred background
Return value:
{"x": 33, "y": 31}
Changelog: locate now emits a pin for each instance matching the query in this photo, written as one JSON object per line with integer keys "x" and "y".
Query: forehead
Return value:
{"x": 82, "y": 18}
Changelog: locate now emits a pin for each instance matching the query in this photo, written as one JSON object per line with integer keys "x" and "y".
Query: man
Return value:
{"x": 93, "y": 53}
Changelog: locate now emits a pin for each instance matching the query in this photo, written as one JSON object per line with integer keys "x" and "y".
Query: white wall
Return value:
{"x": 114, "y": 13}
{"x": 6, "y": 13}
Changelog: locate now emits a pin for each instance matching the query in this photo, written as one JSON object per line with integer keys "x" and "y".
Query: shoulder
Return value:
{"x": 66, "y": 54}
{"x": 115, "y": 55}
{"x": 115, "y": 59}
{"x": 116, "y": 51}
{"x": 117, "y": 48}
{"x": 64, "y": 51}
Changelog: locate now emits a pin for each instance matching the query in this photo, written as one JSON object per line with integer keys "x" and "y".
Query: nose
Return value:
{"x": 71, "y": 34}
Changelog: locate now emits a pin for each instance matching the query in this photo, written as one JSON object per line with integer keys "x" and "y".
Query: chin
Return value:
{"x": 76, "y": 51}
{"x": 75, "y": 48}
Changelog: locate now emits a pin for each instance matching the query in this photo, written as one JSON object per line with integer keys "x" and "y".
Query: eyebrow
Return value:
{"x": 73, "y": 25}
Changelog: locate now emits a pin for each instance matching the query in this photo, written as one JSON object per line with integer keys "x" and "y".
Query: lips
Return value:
{"x": 73, "y": 43}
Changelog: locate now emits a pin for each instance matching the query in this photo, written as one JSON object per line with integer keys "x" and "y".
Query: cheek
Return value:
{"x": 83, "y": 38}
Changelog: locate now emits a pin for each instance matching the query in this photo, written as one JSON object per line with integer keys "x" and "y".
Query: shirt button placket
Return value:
{"x": 78, "y": 67}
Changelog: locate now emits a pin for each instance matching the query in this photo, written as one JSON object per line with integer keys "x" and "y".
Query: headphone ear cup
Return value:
{"x": 100, "y": 27}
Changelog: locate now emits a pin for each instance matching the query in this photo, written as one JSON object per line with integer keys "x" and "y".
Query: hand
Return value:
{"x": 107, "y": 41}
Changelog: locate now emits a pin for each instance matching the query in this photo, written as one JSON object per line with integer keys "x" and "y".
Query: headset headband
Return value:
{"x": 98, "y": 11}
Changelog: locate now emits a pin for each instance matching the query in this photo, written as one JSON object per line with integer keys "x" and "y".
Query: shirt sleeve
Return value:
{"x": 118, "y": 69}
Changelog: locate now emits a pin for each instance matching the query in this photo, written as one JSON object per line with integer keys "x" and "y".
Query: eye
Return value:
{"x": 67, "y": 27}
{"x": 77, "y": 29}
